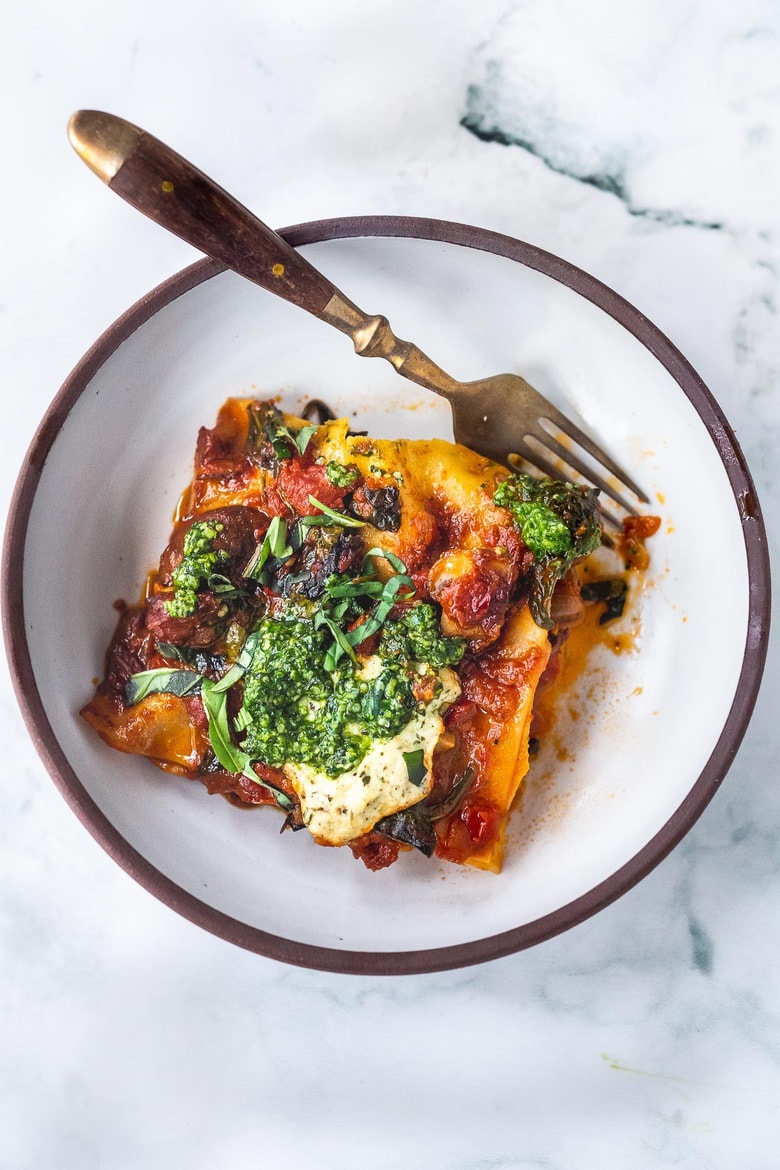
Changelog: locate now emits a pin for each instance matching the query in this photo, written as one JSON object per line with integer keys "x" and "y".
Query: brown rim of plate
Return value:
{"x": 461, "y": 954}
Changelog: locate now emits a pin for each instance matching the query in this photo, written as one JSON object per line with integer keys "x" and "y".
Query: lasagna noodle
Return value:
{"x": 160, "y": 726}
{"x": 522, "y": 642}
{"x": 429, "y": 475}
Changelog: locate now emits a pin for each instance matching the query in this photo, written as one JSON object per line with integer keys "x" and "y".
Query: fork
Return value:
{"x": 501, "y": 417}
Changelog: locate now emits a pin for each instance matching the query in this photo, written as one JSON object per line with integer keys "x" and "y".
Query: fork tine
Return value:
{"x": 554, "y": 416}
{"x": 535, "y": 458}
{"x": 540, "y": 435}
{"x": 532, "y": 457}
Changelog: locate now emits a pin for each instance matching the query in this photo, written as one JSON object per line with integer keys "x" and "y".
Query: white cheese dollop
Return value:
{"x": 338, "y": 809}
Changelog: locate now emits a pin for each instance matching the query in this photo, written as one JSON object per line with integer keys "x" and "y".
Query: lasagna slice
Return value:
{"x": 352, "y": 630}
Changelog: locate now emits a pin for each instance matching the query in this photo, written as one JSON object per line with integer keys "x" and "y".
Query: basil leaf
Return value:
{"x": 391, "y": 590}
{"x": 240, "y": 666}
{"x": 277, "y": 537}
{"x": 394, "y": 561}
{"x": 335, "y": 517}
{"x": 180, "y": 653}
{"x": 255, "y": 563}
{"x": 317, "y": 522}
{"x": 266, "y": 422}
{"x": 281, "y": 440}
{"x": 274, "y": 544}
{"x": 281, "y": 798}
{"x": 232, "y": 758}
{"x": 415, "y": 766}
{"x": 339, "y": 611}
{"x": 296, "y": 536}
{"x": 161, "y": 681}
{"x": 298, "y": 440}
{"x": 303, "y": 437}
{"x": 341, "y": 643}
{"x": 354, "y": 588}
{"x": 364, "y": 631}
{"x": 221, "y": 585}
{"x": 451, "y": 802}
{"x": 385, "y": 604}
{"x": 411, "y": 826}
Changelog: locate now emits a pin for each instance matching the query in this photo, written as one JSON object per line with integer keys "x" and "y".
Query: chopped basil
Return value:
{"x": 302, "y": 438}
{"x": 232, "y": 758}
{"x": 242, "y": 720}
{"x": 336, "y": 587}
{"x": 392, "y": 560}
{"x": 330, "y": 514}
{"x": 415, "y": 766}
{"x": 274, "y": 544}
{"x": 266, "y": 423}
{"x": 341, "y": 644}
{"x": 386, "y": 602}
{"x": 239, "y": 667}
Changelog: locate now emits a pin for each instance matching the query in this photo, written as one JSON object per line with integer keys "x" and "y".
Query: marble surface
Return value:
{"x": 639, "y": 141}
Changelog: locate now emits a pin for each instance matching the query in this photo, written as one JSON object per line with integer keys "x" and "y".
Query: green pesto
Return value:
{"x": 559, "y": 522}
{"x": 547, "y": 507}
{"x": 417, "y": 637}
{"x": 296, "y": 709}
{"x": 196, "y": 566}
{"x": 542, "y": 530}
{"x": 341, "y": 476}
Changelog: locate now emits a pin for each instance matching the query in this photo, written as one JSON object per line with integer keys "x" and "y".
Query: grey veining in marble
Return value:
{"x": 641, "y": 142}
{"x": 631, "y": 101}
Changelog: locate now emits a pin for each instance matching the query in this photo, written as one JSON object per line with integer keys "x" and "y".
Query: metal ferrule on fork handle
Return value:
{"x": 372, "y": 336}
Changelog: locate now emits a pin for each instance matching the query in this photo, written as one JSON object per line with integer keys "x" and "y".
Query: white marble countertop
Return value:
{"x": 639, "y": 141}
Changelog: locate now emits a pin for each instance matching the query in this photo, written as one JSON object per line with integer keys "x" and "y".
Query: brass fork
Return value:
{"x": 502, "y": 417}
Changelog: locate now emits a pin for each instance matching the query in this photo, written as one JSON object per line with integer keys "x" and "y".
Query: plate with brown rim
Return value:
{"x": 647, "y": 736}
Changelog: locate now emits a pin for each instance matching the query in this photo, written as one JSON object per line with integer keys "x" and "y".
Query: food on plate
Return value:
{"x": 353, "y": 630}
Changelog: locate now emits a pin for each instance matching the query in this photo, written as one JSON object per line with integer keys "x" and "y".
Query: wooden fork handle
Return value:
{"x": 175, "y": 194}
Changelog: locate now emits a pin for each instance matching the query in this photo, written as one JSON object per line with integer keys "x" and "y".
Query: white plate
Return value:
{"x": 93, "y": 511}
